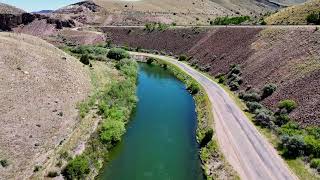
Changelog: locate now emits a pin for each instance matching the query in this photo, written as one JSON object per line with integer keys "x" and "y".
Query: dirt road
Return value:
{"x": 243, "y": 146}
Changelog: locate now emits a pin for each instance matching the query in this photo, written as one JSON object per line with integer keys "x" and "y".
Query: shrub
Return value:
{"x": 37, "y": 168}
{"x": 312, "y": 146}
{"x": 183, "y": 57}
{"x": 222, "y": 79}
{"x": 4, "y": 163}
{"x": 313, "y": 18}
{"x": 77, "y": 168}
{"x": 253, "y": 106}
{"x": 264, "y": 118}
{"x": 315, "y": 163}
{"x": 150, "y": 60}
{"x": 207, "y": 138}
{"x": 282, "y": 119}
{"x": 193, "y": 88}
{"x": 229, "y": 20}
{"x": 53, "y": 174}
{"x": 112, "y": 131}
{"x": 251, "y": 97}
{"x": 235, "y": 78}
{"x": 290, "y": 129}
{"x": 85, "y": 59}
{"x": 288, "y": 105}
{"x": 117, "y": 54}
{"x": 234, "y": 86}
{"x": 234, "y": 69}
{"x": 268, "y": 90}
{"x": 292, "y": 146}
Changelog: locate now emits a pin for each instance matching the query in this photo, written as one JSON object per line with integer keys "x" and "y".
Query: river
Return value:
{"x": 160, "y": 142}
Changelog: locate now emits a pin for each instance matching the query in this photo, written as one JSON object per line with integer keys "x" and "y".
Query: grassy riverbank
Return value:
{"x": 102, "y": 117}
{"x": 213, "y": 162}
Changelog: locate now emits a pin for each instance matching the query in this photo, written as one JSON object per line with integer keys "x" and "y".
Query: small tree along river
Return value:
{"x": 160, "y": 143}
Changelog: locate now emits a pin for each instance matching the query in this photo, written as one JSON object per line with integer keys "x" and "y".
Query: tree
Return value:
{"x": 207, "y": 138}
{"x": 288, "y": 105}
{"x": 117, "y": 54}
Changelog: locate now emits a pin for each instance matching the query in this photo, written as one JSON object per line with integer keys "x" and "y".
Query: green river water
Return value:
{"x": 160, "y": 142}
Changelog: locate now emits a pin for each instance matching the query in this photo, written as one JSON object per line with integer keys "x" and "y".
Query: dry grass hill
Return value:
{"x": 40, "y": 87}
{"x": 7, "y": 9}
{"x": 295, "y": 14}
{"x": 181, "y": 12}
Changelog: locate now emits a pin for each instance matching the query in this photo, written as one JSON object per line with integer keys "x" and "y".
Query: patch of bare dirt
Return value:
{"x": 39, "y": 88}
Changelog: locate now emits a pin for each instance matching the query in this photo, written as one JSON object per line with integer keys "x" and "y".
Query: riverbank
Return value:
{"x": 102, "y": 117}
{"x": 213, "y": 163}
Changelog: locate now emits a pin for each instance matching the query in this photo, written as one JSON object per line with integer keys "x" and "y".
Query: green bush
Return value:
{"x": 85, "y": 59}
{"x": 268, "y": 90}
{"x": 282, "y": 119}
{"x": 207, "y": 138}
{"x": 112, "y": 131}
{"x": 251, "y": 97}
{"x": 53, "y": 174}
{"x": 182, "y": 57}
{"x": 229, "y": 20}
{"x": 288, "y": 105}
{"x": 234, "y": 86}
{"x": 77, "y": 168}
{"x": 222, "y": 79}
{"x": 290, "y": 129}
{"x": 292, "y": 146}
{"x": 315, "y": 163}
{"x": 313, "y": 18}
{"x": 264, "y": 118}
{"x": 254, "y": 106}
{"x": 193, "y": 88}
{"x": 117, "y": 54}
{"x": 312, "y": 146}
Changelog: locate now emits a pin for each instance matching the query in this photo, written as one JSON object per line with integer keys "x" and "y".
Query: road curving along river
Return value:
{"x": 160, "y": 142}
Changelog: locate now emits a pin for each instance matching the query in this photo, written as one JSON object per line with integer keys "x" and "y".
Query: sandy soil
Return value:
{"x": 39, "y": 88}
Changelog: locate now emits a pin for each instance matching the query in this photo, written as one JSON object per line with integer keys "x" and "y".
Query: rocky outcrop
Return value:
{"x": 9, "y": 21}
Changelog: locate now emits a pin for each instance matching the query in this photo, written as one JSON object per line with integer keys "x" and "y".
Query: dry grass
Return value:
{"x": 7, "y": 9}
{"x": 295, "y": 14}
{"x": 40, "y": 87}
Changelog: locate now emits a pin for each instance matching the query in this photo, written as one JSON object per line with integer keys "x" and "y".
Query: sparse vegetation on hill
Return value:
{"x": 296, "y": 14}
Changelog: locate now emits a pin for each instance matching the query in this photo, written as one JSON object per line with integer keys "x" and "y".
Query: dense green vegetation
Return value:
{"x": 77, "y": 168}
{"x": 229, "y": 20}
{"x": 117, "y": 54}
{"x": 313, "y": 18}
{"x": 114, "y": 103}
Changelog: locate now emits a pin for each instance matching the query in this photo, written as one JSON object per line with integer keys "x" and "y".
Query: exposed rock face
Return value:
{"x": 80, "y": 7}
{"x": 9, "y": 21}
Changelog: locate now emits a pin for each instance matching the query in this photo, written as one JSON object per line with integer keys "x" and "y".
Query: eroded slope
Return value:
{"x": 39, "y": 88}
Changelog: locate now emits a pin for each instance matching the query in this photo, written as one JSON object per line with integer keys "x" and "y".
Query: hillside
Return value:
{"x": 40, "y": 87}
{"x": 295, "y": 14}
{"x": 288, "y": 57}
{"x": 181, "y": 12}
{"x": 7, "y": 9}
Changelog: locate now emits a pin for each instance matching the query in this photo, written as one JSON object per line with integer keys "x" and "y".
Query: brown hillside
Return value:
{"x": 288, "y": 57}
{"x": 294, "y": 14}
{"x": 7, "y": 9}
{"x": 40, "y": 86}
